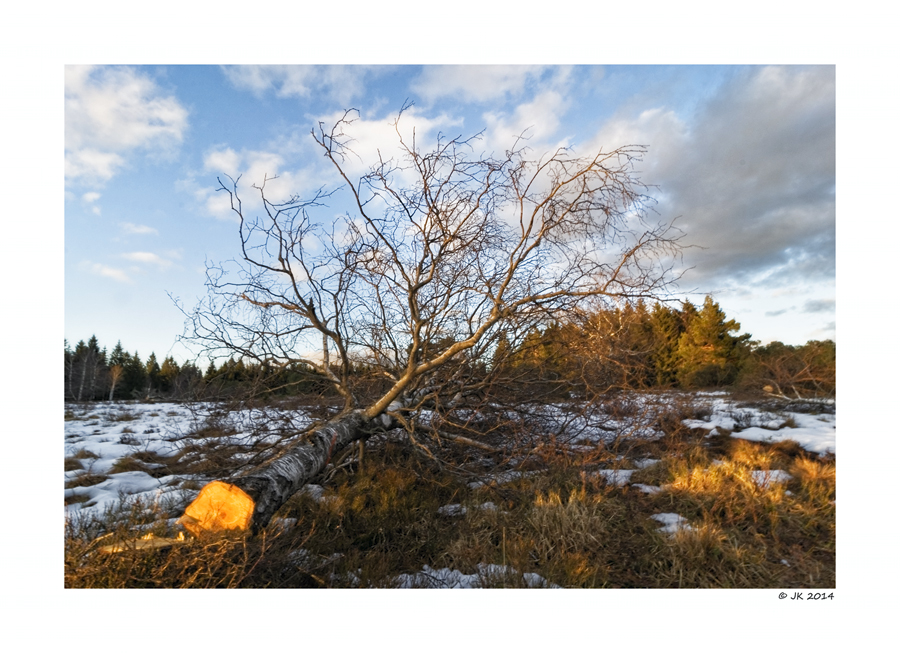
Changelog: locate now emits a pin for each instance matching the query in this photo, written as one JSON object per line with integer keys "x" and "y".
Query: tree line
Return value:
{"x": 634, "y": 346}
{"x": 93, "y": 374}
{"x": 661, "y": 346}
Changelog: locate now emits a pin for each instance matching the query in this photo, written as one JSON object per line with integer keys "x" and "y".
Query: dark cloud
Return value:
{"x": 753, "y": 178}
{"x": 776, "y": 313}
{"x": 818, "y": 306}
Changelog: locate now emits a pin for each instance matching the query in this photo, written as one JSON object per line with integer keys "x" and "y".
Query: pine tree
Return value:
{"x": 82, "y": 359}
{"x": 666, "y": 327}
{"x": 187, "y": 381}
{"x": 69, "y": 371}
{"x": 168, "y": 373}
{"x": 502, "y": 352}
{"x": 134, "y": 376}
{"x": 153, "y": 370}
{"x": 118, "y": 355}
{"x": 117, "y": 360}
{"x": 708, "y": 354}
{"x": 95, "y": 364}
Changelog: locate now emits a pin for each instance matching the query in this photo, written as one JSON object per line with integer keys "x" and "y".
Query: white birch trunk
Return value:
{"x": 250, "y": 500}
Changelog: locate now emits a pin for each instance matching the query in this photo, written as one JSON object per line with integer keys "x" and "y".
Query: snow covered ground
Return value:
{"x": 99, "y": 436}
{"x": 816, "y": 433}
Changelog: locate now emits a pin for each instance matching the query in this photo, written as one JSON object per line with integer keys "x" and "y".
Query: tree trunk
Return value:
{"x": 249, "y": 501}
{"x": 83, "y": 374}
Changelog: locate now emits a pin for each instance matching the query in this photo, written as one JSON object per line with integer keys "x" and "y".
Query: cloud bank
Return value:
{"x": 111, "y": 113}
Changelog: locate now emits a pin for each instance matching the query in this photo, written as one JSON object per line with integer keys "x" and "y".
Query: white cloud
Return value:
{"x": 92, "y": 165}
{"x": 751, "y": 176}
{"x": 110, "y": 112}
{"x": 371, "y": 139}
{"x": 138, "y": 229}
{"x": 367, "y": 138}
{"x": 148, "y": 258}
{"x": 341, "y": 83}
{"x": 474, "y": 83}
{"x": 253, "y": 167}
{"x": 106, "y": 271}
{"x": 538, "y": 120}
{"x": 227, "y": 161}
{"x": 90, "y": 199}
{"x": 659, "y": 129}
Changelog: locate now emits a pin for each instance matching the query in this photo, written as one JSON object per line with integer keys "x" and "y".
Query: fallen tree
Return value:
{"x": 440, "y": 268}
{"x": 249, "y": 501}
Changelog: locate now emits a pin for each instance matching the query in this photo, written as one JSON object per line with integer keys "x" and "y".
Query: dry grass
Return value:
{"x": 83, "y": 454}
{"x": 86, "y": 480}
{"x": 72, "y": 464}
{"x": 123, "y": 416}
{"x": 564, "y": 523}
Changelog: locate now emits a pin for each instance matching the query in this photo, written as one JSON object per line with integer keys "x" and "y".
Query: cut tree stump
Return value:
{"x": 249, "y": 501}
{"x": 220, "y": 506}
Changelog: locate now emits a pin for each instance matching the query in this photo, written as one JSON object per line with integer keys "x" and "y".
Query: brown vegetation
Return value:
{"x": 563, "y": 521}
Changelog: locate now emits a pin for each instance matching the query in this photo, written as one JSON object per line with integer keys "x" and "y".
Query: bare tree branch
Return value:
{"x": 443, "y": 251}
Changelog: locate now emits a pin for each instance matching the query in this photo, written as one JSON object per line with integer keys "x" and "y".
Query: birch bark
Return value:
{"x": 249, "y": 501}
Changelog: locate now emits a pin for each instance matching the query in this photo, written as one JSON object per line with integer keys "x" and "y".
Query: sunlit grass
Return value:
{"x": 563, "y": 523}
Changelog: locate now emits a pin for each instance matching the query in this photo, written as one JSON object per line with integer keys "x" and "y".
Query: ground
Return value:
{"x": 695, "y": 490}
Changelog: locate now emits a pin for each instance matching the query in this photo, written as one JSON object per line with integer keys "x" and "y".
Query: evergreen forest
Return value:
{"x": 631, "y": 347}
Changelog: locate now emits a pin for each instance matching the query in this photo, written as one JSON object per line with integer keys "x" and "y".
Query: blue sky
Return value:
{"x": 743, "y": 156}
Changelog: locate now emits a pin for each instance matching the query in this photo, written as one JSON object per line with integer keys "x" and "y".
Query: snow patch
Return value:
{"x": 617, "y": 477}
{"x": 815, "y": 433}
{"x": 765, "y": 478}
{"x": 452, "y": 510}
{"x": 648, "y": 489}
{"x": 485, "y": 576}
{"x": 672, "y": 522}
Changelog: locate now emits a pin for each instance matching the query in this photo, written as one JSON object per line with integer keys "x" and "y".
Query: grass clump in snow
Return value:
{"x": 123, "y": 416}
{"x": 72, "y": 464}
{"x": 86, "y": 480}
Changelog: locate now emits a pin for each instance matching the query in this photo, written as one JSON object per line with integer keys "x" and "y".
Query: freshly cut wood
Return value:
{"x": 219, "y": 507}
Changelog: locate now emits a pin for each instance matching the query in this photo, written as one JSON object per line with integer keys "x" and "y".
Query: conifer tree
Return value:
{"x": 168, "y": 373}
{"x": 95, "y": 364}
{"x": 117, "y": 360}
{"x": 118, "y": 355}
{"x": 187, "y": 381}
{"x": 134, "y": 376}
{"x": 666, "y": 327}
{"x": 502, "y": 352}
{"x": 69, "y": 371}
{"x": 153, "y": 370}
{"x": 708, "y": 354}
